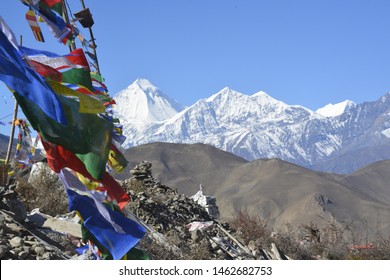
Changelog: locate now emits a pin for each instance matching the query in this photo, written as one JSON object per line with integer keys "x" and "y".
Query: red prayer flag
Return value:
{"x": 58, "y": 158}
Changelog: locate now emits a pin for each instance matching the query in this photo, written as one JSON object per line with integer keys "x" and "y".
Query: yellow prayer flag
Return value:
{"x": 114, "y": 163}
{"x": 88, "y": 183}
{"x": 88, "y": 104}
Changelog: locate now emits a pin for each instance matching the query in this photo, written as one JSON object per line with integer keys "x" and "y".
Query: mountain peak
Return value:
{"x": 143, "y": 84}
{"x": 334, "y": 110}
{"x": 142, "y": 102}
{"x": 260, "y": 93}
{"x": 226, "y": 91}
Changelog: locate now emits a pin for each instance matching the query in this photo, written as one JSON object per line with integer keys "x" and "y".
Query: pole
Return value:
{"x": 93, "y": 45}
{"x": 11, "y": 138}
{"x": 65, "y": 16}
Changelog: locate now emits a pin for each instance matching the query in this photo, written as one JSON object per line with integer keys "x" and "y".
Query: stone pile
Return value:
{"x": 142, "y": 171}
{"x": 165, "y": 212}
{"x": 20, "y": 240}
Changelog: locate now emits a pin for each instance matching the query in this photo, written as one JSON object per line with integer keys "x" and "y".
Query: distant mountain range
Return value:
{"x": 338, "y": 138}
{"x": 273, "y": 188}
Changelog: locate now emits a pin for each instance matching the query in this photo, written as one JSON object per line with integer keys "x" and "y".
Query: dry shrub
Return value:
{"x": 306, "y": 242}
{"x": 43, "y": 190}
{"x": 250, "y": 228}
{"x": 202, "y": 251}
{"x": 287, "y": 241}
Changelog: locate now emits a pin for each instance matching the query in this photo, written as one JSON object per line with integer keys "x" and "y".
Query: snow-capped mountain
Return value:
{"x": 142, "y": 104}
{"x": 333, "y": 110}
{"x": 257, "y": 126}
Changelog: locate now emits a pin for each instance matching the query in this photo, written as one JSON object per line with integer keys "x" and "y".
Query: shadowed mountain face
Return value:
{"x": 183, "y": 165}
{"x": 284, "y": 192}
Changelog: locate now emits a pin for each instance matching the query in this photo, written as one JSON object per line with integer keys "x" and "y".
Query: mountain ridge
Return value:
{"x": 259, "y": 126}
{"x": 272, "y": 189}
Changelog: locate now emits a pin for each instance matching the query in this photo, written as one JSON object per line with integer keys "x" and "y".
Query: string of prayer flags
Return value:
{"x": 83, "y": 41}
{"x": 91, "y": 56}
{"x": 68, "y": 107}
{"x": 19, "y": 143}
{"x": 58, "y": 27}
{"x": 33, "y": 23}
{"x": 25, "y": 141}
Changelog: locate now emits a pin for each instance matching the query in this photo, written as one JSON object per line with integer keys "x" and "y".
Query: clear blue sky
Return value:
{"x": 302, "y": 52}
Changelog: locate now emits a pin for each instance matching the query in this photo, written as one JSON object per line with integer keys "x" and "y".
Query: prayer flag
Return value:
{"x": 112, "y": 229}
{"x": 73, "y": 67}
{"x": 45, "y": 71}
{"x": 8, "y": 33}
{"x": 55, "y": 5}
{"x": 32, "y": 21}
{"x": 58, "y": 158}
{"x": 57, "y": 26}
{"x": 19, "y": 77}
{"x": 87, "y": 104}
{"x": 87, "y": 135}
{"x": 116, "y": 159}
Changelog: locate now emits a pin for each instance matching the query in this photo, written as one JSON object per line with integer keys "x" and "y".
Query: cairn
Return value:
{"x": 142, "y": 171}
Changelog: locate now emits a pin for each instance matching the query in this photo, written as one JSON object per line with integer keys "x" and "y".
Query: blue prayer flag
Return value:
{"x": 112, "y": 229}
{"x": 15, "y": 73}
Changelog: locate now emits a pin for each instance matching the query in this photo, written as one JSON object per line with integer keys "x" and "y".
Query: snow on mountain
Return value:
{"x": 142, "y": 102}
{"x": 140, "y": 105}
{"x": 333, "y": 110}
{"x": 254, "y": 126}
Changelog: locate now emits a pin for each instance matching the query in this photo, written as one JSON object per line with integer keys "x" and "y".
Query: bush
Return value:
{"x": 250, "y": 228}
{"x": 43, "y": 190}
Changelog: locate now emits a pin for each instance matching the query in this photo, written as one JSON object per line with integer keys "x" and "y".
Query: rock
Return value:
{"x": 142, "y": 171}
{"x": 4, "y": 249}
{"x": 39, "y": 250}
{"x": 23, "y": 255}
{"x": 16, "y": 242}
{"x": 15, "y": 228}
{"x": 252, "y": 245}
{"x": 47, "y": 256}
{"x": 196, "y": 235}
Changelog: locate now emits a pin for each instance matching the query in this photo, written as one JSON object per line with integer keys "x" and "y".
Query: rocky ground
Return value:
{"x": 178, "y": 226}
